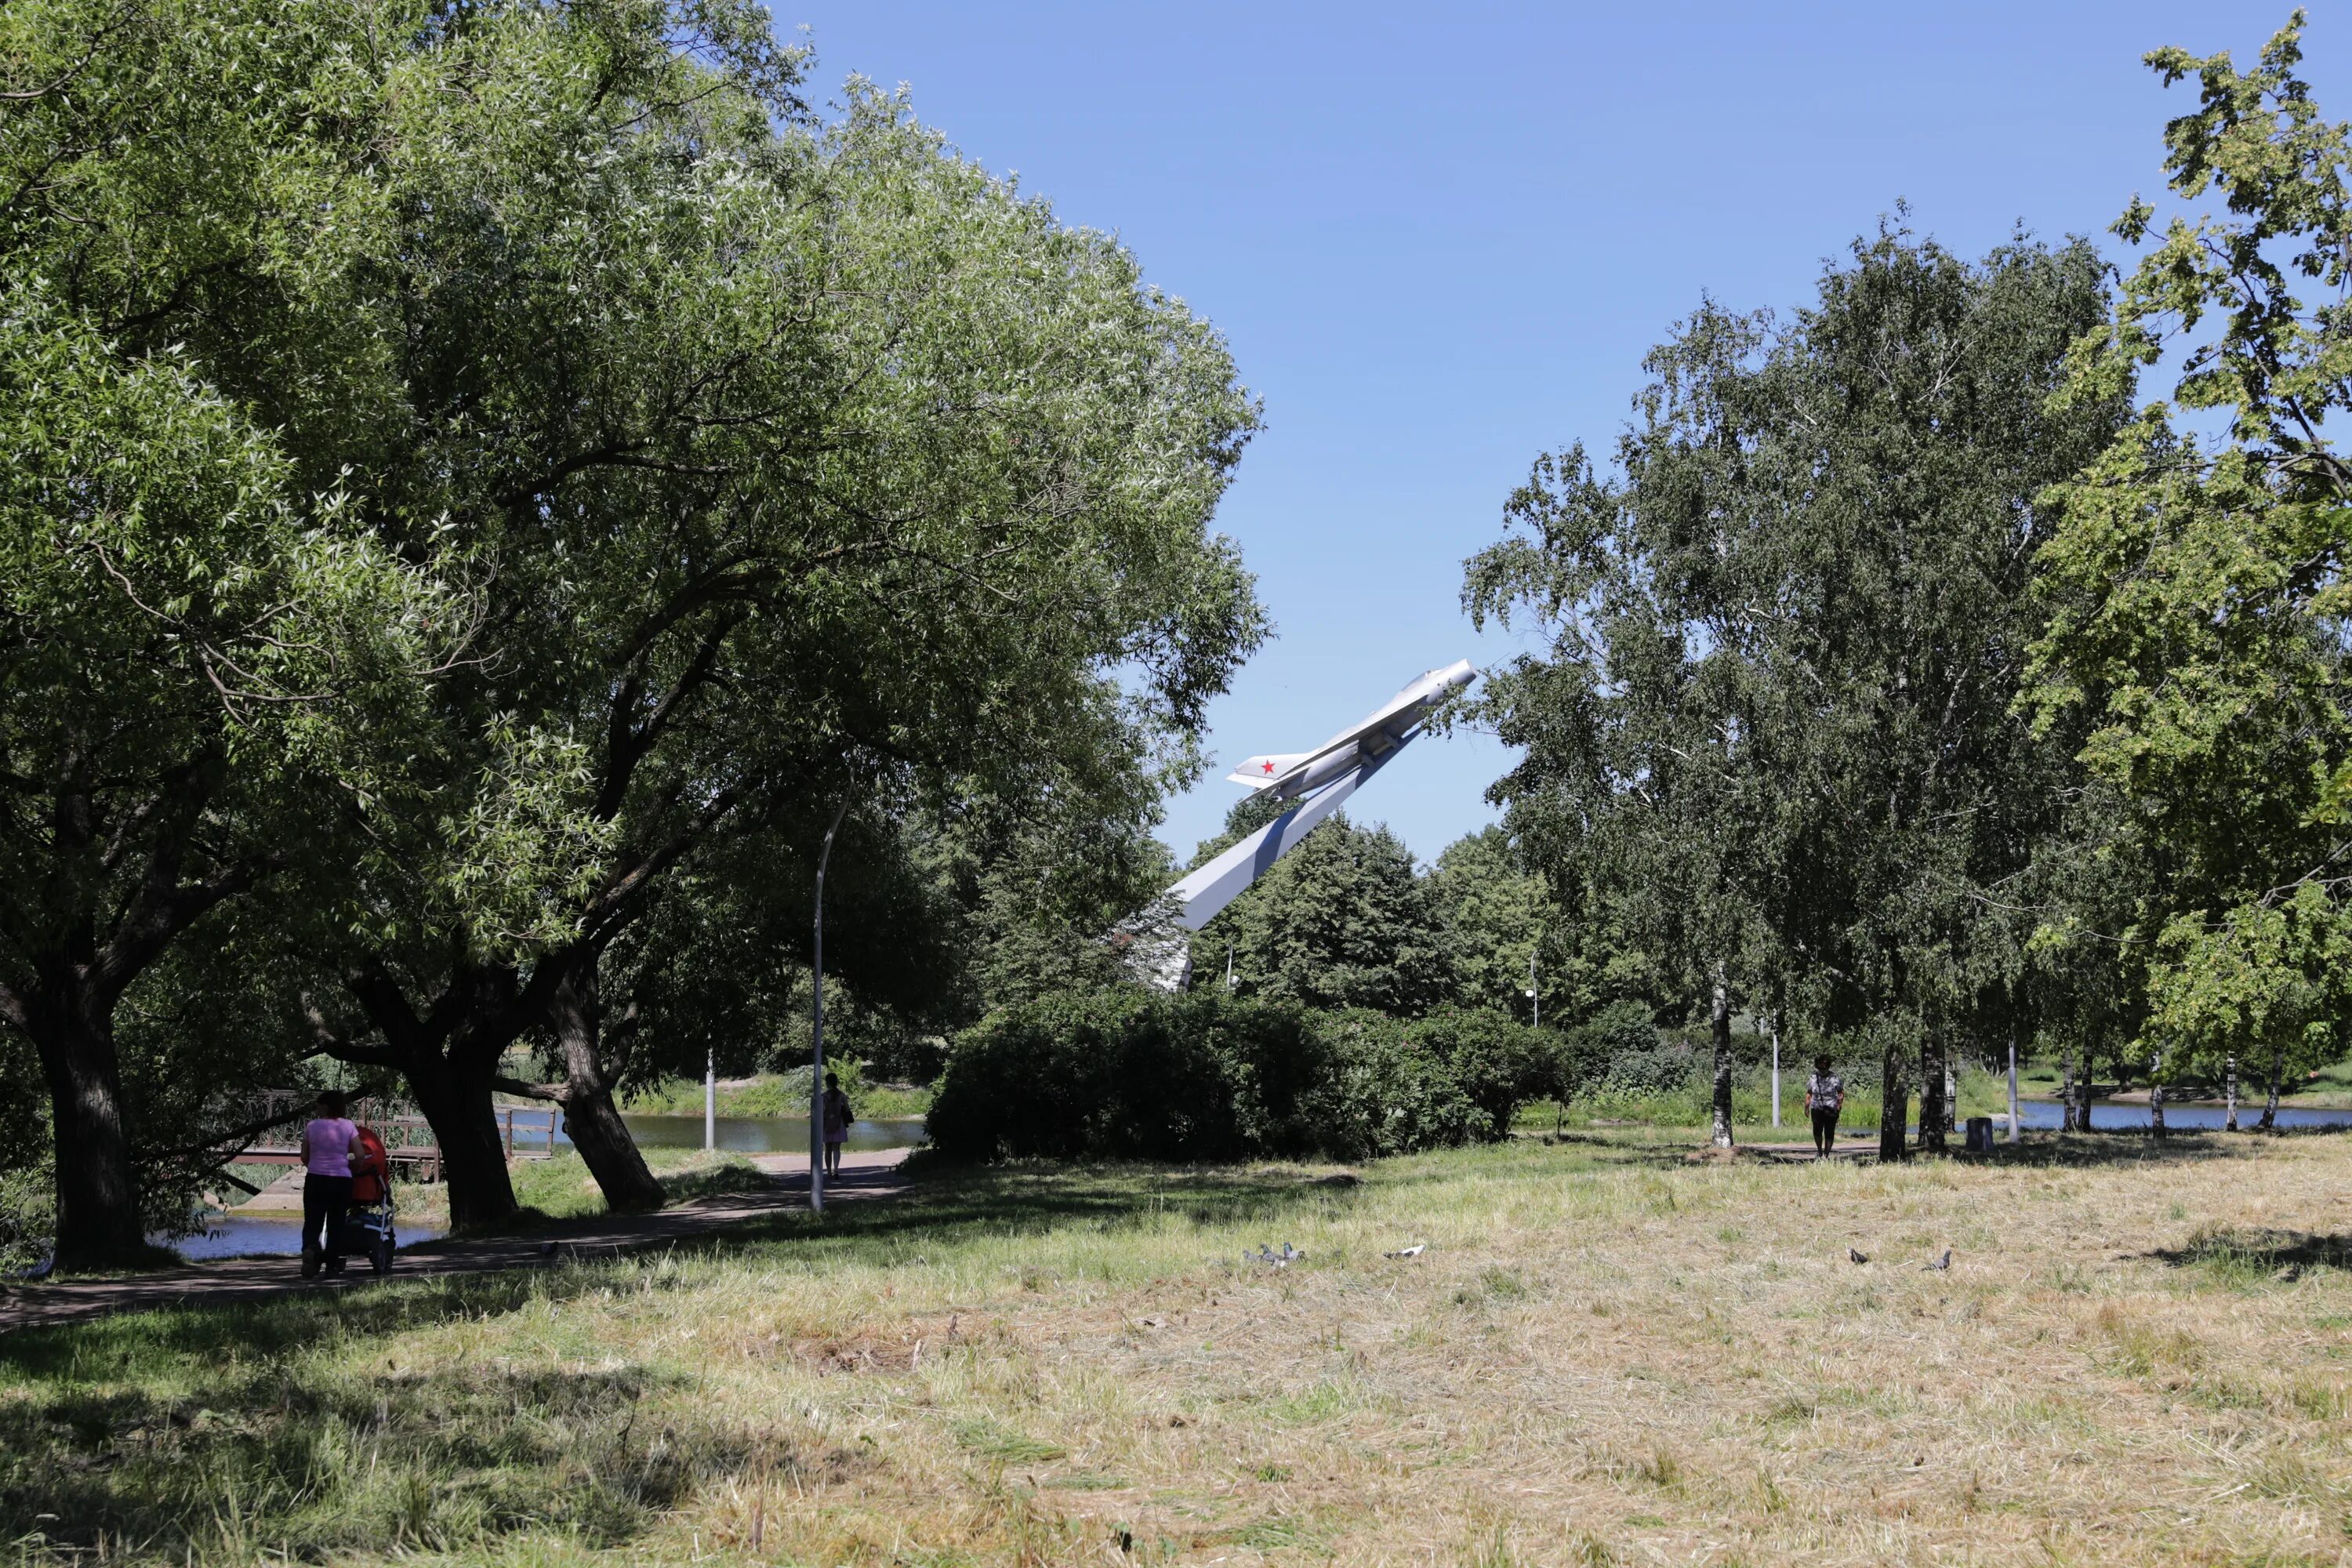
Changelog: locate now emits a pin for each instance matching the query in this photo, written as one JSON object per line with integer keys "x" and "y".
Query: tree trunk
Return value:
{"x": 2270, "y": 1108}
{"x": 2155, "y": 1096}
{"x": 1895, "y": 1100}
{"x": 457, "y": 1102}
{"x": 97, "y": 1195}
{"x": 1931, "y": 1092}
{"x": 2229, "y": 1093}
{"x": 2070, "y": 1118}
{"x": 589, "y": 1114}
{"x": 1719, "y": 1025}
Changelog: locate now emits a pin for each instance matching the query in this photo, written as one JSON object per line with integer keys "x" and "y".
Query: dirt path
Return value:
{"x": 864, "y": 1177}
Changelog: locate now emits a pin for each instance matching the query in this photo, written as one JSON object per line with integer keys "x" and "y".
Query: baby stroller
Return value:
{"x": 366, "y": 1227}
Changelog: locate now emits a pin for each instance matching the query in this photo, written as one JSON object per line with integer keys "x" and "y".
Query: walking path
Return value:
{"x": 865, "y": 1175}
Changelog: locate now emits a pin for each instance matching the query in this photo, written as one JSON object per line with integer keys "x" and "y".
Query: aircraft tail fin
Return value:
{"x": 1259, "y": 772}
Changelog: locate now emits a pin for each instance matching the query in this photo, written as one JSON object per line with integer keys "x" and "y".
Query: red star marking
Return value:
{"x": 1268, "y": 766}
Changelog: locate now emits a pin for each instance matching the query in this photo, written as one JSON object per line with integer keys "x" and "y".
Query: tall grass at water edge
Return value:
{"x": 1692, "y": 1104}
{"x": 783, "y": 1096}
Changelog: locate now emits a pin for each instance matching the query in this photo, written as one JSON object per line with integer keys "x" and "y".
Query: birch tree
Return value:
{"x": 1788, "y": 636}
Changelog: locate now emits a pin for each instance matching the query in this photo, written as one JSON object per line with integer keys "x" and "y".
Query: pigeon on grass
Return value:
{"x": 1856, "y": 1257}
{"x": 1941, "y": 1263}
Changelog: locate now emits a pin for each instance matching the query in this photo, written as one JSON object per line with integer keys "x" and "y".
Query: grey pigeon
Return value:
{"x": 1856, "y": 1257}
{"x": 1942, "y": 1263}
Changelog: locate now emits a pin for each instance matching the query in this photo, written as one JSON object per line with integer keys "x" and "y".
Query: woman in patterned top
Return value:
{"x": 1824, "y": 1096}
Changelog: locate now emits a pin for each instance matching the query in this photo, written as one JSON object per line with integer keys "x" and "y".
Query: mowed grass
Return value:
{"x": 1606, "y": 1353}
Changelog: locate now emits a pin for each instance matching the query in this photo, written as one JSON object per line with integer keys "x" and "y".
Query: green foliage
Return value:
{"x": 1343, "y": 920}
{"x": 1128, "y": 1074}
{"x": 724, "y": 461}
{"x": 1620, "y": 1044}
{"x": 2196, "y": 599}
{"x": 1495, "y": 916}
{"x": 1773, "y": 740}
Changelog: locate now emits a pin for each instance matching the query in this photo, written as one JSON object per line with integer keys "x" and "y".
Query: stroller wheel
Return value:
{"x": 379, "y": 1255}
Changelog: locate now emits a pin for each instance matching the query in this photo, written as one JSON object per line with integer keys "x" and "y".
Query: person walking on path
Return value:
{"x": 837, "y": 1118}
{"x": 327, "y": 1144}
{"x": 1824, "y": 1098}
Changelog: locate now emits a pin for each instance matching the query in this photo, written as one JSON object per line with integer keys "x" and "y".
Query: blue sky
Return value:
{"x": 1439, "y": 239}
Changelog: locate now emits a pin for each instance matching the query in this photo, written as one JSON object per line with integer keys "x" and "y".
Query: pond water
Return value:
{"x": 238, "y": 1235}
{"x": 2048, "y": 1115}
{"x": 246, "y": 1236}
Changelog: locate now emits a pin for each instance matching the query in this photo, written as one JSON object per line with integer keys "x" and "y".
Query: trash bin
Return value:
{"x": 1980, "y": 1134}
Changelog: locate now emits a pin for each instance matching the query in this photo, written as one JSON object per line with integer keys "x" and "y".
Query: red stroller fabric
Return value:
{"x": 371, "y": 1166}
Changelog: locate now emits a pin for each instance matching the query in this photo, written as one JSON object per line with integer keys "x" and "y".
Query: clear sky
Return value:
{"x": 1439, "y": 239}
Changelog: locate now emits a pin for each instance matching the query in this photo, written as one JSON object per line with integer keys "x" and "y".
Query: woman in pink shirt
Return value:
{"x": 327, "y": 1144}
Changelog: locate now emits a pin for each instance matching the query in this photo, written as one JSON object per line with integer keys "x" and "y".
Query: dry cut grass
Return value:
{"x": 1605, "y": 1354}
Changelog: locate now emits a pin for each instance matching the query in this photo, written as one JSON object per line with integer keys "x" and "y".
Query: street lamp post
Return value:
{"x": 816, "y": 1025}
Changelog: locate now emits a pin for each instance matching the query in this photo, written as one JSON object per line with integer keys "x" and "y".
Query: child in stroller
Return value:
{"x": 366, "y": 1227}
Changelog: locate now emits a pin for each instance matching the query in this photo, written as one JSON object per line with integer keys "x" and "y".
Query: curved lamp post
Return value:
{"x": 816, "y": 1025}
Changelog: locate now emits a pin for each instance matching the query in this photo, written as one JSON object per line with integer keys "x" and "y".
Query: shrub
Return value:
{"x": 1388, "y": 1093}
{"x": 1129, "y": 1074}
{"x": 1623, "y": 1031}
{"x": 1499, "y": 1062}
{"x": 27, "y": 1218}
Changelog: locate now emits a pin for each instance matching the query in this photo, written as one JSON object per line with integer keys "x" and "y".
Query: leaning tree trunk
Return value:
{"x": 1719, "y": 1026}
{"x": 455, "y": 1099}
{"x": 2230, "y": 1092}
{"x": 2155, "y": 1096}
{"x": 1931, "y": 1092}
{"x": 589, "y": 1113}
{"x": 1895, "y": 1100}
{"x": 2268, "y": 1123}
{"x": 98, "y": 1194}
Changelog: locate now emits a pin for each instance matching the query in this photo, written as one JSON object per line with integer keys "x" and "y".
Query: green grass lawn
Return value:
{"x": 1606, "y": 1353}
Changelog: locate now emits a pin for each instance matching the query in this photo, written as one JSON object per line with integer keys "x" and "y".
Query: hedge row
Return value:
{"x": 1133, "y": 1075}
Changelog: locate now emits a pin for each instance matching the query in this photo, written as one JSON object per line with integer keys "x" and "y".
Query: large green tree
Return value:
{"x": 788, "y": 463}
{"x": 1503, "y": 934}
{"x": 198, "y": 668}
{"x": 1787, "y": 640}
{"x": 2197, "y": 595}
{"x": 1342, "y": 920}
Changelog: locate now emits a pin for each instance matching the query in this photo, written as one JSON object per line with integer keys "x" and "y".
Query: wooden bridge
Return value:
{"x": 529, "y": 1133}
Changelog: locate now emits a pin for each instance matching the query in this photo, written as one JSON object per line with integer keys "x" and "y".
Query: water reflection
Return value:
{"x": 249, "y": 1236}
{"x": 763, "y": 1134}
{"x": 2048, "y": 1116}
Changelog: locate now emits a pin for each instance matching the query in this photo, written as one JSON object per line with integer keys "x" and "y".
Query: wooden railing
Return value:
{"x": 528, "y": 1132}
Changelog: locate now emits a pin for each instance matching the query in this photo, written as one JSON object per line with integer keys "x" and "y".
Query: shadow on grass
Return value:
{"x": 311, "y": 1461}
{"x": 2126, "y": 1146}
{"x": 950, "y": 1202}
{"x": 944, "y": 1205}
{"x": 2241, "y": 1255}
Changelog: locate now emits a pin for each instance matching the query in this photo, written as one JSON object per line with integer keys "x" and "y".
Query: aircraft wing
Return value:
{"x": 1257, "y": 771}
{"x": 1293, "y": 773}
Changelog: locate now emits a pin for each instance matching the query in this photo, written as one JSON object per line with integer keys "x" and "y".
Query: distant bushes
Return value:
{"x": 1128, "y": 1074}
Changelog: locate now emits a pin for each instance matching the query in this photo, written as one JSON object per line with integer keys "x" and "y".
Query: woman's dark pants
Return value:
{"x": 1824, "y": 1131}
{"x": 324, "y": 1199}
